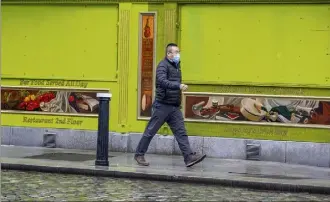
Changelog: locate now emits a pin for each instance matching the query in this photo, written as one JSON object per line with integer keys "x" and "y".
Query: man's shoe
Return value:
{"x": 194, "y": 159}
{"x": 141, "y": 161}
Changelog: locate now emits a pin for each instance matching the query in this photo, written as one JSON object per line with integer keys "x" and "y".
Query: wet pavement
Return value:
{"x": 229, "y": 172}
{"x": 34, "y": 186}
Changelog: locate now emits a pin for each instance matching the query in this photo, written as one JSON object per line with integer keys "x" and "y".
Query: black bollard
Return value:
{"x": 103, "y": 130}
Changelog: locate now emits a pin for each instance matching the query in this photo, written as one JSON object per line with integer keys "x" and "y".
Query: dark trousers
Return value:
{"x": 162, "y": 113}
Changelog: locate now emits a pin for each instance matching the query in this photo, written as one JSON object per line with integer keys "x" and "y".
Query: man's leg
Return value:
{"x": 176, "y": 123}
{"x": 157, "y": 119}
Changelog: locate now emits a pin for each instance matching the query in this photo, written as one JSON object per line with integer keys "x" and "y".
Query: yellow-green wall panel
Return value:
{"x": 134, "y": 125}
{"x": 251, "y": 57}
{"x": 55, "y": 41}
{"x": 49, "y": 121}
{"x": 259, "y": 132}
{"x": 266, "y": 44}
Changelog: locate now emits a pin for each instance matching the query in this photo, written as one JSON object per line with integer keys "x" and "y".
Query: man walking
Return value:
{"x": 166, "y": 108}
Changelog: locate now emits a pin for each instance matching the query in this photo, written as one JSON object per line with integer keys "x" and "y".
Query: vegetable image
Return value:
{"x": 60, "y": 101}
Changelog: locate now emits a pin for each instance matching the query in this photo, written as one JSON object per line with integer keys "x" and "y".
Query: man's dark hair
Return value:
{"x": 169, "y": 47}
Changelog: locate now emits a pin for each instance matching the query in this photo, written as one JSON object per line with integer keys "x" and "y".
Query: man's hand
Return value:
{"x": 183, "y": 87}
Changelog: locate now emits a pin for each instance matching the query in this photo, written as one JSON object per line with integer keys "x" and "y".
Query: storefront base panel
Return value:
{"x": 304, "y": 153}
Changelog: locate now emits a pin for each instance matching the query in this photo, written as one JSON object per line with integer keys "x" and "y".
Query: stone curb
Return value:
{"x": 273, "y": 186}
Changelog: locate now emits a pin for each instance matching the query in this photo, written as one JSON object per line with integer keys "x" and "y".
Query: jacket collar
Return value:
{"x": 173, "y": 63}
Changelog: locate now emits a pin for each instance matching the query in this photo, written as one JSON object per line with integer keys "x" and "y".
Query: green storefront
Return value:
{"x": 255, "y": 69}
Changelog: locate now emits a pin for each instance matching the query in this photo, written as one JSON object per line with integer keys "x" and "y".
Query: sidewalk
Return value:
{"x": 236, "y": 173}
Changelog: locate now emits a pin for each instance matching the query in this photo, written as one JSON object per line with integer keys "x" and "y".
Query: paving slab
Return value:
{"x": 230, "y": 172}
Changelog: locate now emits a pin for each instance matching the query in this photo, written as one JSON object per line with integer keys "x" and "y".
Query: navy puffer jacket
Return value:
{"x": 168, "y": 80}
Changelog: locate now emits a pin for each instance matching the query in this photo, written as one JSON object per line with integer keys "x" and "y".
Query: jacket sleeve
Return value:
{"x": 161, "y": 79}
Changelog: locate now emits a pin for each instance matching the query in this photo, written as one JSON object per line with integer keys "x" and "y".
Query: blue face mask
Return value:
{"x": 176, "y": 58}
